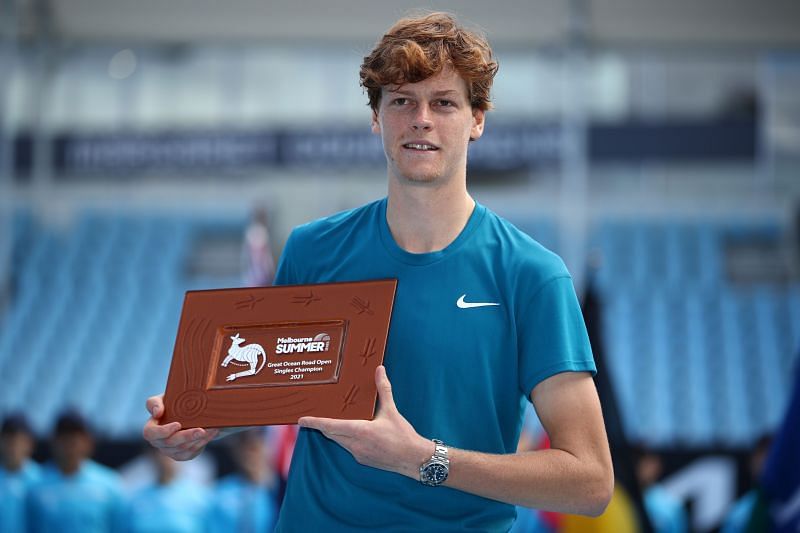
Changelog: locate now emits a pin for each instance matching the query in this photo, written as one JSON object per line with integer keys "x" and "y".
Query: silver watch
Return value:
{"x": 433, "y": 472}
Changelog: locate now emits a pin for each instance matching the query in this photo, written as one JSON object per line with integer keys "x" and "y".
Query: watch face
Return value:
{"x": 436, "y": 473}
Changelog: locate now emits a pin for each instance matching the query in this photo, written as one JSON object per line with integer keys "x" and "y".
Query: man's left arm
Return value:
{"x": 575, "y": 475}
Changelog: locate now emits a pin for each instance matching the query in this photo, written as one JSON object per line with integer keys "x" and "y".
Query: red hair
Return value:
{"x": 417, "y": 48}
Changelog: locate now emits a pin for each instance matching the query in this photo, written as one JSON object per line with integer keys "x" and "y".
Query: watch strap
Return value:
{"x": 439, "y": 460}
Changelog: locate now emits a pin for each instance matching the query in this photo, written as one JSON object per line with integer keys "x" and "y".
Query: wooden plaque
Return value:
{"x": 269, "y": 355}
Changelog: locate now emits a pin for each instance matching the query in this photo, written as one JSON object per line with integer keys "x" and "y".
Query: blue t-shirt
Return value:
{"x": 460, "y": 374}
{"x": 242, "y": 506}
{"x": 177, "y": 507}
{"x": 666, "y": 513}
{"x": 89, "y": 501}
{"x": 14, "y": 488}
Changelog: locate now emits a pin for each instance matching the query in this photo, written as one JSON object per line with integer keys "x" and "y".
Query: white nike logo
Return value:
{"x": 467, "y": 305}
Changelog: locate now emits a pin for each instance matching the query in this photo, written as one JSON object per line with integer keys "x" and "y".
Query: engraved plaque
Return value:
{"x": 269, "y": 355}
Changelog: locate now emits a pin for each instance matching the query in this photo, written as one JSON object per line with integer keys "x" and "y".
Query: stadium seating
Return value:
{"x": 94, "y": 314}
{"x": 695, "y": 359}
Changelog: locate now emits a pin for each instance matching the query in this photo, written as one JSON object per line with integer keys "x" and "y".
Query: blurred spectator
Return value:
{"x": 284, "y": 437}
{"x": 75, "y": 494}
{"x": 17, "y": 471}
{"x": 170, "y": 505}
{"x": 665, "y": 512}
{"x": 746, "y": 508}
{"x": 259, "y": 264}
{"x": 246, "y": 500}
{"x": 142, "y": 471}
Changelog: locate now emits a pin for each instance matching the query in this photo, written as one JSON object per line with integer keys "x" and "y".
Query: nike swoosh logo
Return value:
{"x": 468, "y": 305}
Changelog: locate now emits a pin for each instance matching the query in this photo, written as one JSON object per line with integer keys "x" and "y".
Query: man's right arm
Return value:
{"x": 170, "y": 439}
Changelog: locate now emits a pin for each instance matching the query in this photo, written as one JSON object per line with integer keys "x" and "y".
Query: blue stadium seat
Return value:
{"x": 94, "y": 314}
{"x": 694, "y": 359}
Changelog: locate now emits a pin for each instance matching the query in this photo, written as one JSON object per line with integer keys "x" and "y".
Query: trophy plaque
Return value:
{"x": 269, "y": 355}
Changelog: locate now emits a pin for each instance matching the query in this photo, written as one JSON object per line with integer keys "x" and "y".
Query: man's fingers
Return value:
{"x": 154, "y": 432}
{"x": 331, "y": 426}
{"x": 186, "y": 437}
{"x": 385, "y": 397}
{"x": 155, "y": 405}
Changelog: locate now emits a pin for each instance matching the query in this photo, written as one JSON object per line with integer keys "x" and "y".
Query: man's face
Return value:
{"x": 15, "y": 448}
{"x": 426, "y": 127}
{"x": 251, "y": 456}
{"x": 71, "y": 448}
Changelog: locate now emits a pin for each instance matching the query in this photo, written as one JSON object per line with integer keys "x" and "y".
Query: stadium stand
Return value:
{"x": 94, "y": 314}
{"x": 696, "y": 359}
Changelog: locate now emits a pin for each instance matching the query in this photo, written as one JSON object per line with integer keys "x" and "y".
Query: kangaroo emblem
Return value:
{"x": 243, "y": 356}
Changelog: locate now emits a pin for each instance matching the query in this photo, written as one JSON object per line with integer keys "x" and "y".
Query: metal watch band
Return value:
{"x": 434, "y": 471}
{"x": 441, "y": 450}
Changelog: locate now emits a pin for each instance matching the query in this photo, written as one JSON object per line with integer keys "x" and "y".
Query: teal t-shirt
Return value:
{"x": 241, "y": 505}
{"x": 89, "y": 501}
{"x": 459, "y": 373}
{"x": 177, "y": 507}
{"x": 14, "y": 487}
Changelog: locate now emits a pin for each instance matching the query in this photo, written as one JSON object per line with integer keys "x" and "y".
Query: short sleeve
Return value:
{"x": 286, "y": 273}
{"x": 552, "y": 334}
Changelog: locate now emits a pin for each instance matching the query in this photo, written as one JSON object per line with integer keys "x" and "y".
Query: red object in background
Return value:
{"x": 283, "y": 455}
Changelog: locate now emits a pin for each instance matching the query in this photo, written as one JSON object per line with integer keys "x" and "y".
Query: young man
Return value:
{"x": 17, "y": 471}
{"x": 484, "y": 318}
{"x": 246, "y": 500}
{"x": 75, "y": 494}
{"x": 170, "y": 504}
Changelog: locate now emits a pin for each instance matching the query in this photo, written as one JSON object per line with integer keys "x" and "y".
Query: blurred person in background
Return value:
{"x": 170, "y": 505}
{"x": 246, "y": 500}
{"x": 666, "y": 513}
{"x": 17, "y": 471}
{"x": 75, "y": 494}
{"x": 484, "y": 318}
{"x": 259, "y": 265}
{"x": 283, "y": 440}
{"x": 746, "y": 508}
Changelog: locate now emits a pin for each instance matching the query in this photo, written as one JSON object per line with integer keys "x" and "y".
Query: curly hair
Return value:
{"x": 417, "y": 48}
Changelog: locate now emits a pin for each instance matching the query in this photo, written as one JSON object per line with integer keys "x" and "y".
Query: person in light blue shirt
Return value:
{"x": 75, "y": 494}
{"x": 170, "y": 505}
{"x": 17, "y": 471}
{"x": 666, "y": 513}
{"x": 485, "y": 320}
{"x": 245, "y": 501}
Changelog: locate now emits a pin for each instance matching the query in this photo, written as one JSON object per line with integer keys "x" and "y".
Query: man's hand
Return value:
{"x": 388, "y": 442}
{"x": 170, "y": 439}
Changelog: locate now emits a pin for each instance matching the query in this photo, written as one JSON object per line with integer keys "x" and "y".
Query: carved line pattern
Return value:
{"x": 186, "y": 352}
{"x": 350, "y": 397}
{"x": 306, "y": 300}
{"x": 248, "y": 303}
{"x": 233, "y": 400}
{"x": 369, "y": 351}
{"x": 195, "y": 346}
{"x": 191, "y": 403}
{"x": 253, "y": 411}
{"x": 361, "y": 305}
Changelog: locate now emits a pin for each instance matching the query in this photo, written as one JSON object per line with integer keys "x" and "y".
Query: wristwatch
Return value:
{"x": 433, "y": 472}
